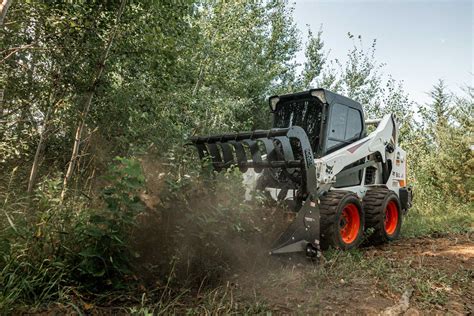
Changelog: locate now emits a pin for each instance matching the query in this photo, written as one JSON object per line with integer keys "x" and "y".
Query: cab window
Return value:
{"x": 345, "y": 126}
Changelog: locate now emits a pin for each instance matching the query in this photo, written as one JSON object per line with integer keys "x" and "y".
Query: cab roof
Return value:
{"x": 324, "y": 95}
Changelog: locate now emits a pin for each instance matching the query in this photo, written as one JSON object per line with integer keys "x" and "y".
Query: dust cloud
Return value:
{"x": 203, "y": 232}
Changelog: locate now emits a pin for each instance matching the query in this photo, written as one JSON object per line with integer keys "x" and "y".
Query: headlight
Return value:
{"x": 319, "y": 94}
{"x": 273, "y": 101}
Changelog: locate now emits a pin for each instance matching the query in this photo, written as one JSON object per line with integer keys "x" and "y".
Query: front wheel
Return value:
{"x": 342, "y": 220}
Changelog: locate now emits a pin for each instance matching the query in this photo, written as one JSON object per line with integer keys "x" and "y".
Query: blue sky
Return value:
{"x": 420, "y": 41}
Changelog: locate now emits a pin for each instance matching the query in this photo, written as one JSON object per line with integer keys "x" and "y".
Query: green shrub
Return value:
{"x": 437, "y": 216}
{"x": 48, "y": 247}
{"x": 102, "y": 256}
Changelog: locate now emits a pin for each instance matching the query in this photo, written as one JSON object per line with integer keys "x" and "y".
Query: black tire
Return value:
{"x": 376, "y": 203}
{"x": 332, "y": 206}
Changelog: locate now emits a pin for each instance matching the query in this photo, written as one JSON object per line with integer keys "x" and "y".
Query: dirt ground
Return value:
{"x": 417, "y": 276}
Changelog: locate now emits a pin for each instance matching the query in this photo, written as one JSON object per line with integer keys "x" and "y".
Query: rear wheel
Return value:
{"x": 342, "y": 220}
{"x": 382, "y": 215}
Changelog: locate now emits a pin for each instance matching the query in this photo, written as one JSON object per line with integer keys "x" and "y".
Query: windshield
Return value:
{"x": 305, "y": 113}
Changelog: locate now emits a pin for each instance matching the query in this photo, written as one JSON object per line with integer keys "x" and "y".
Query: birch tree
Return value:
{"x": 88, "y": 100}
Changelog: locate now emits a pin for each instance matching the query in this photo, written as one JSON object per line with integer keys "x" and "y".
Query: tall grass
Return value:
{"x": 49, "y": 247}
{"x": 438, "y": 215}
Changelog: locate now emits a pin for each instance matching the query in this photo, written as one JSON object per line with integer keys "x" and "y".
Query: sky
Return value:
{"x": 419, "y": 41}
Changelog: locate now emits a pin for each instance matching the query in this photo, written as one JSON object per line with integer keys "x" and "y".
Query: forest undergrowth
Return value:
{"x": 167, "y": 242}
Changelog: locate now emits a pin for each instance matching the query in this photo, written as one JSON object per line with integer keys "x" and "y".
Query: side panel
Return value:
{"x": 396, "y": 181}
{"x": 397, "y": 177}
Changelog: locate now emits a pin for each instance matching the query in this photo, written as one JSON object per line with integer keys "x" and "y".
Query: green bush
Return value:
{"x": 437, "y": 216}
{"x": 102, "y": 255}
{"x": 48, "y": 247}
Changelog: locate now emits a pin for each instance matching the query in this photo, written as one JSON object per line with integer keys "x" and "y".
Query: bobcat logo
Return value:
{"x": 329, "y": 169}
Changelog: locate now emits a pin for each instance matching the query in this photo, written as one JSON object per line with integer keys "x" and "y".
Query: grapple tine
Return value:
{"x": 227, "y": 152}
{"x": 202, "y": 151}
{"x": 240, "y": 154}
{"x": 287, "y": 150}
{"x": 268, "y": 144}
{"x": 215, "y": 155}
{"x": 255, "y": 152}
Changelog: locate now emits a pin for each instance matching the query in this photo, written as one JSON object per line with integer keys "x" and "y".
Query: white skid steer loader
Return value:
{"x": 340, "y": 181}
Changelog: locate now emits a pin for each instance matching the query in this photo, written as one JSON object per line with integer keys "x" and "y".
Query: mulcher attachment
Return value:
{"x": 284, "y": 148}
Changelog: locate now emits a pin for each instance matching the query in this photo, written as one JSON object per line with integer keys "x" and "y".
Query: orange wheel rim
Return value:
{"x": 349, "y": 223}
{"x": 391, "y": 217}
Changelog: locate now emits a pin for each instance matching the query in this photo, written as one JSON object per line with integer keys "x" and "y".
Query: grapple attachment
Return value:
{"x": 286, "y": 149}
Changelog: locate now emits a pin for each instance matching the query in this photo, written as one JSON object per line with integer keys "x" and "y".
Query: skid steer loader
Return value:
{"x": 318, "y": 156}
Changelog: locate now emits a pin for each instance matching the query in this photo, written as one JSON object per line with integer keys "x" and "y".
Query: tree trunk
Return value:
{"x": 88, "y": 101}
{"x": 39, "y": 150}
{"x": 200, "y": 78}
{"x": 3, "y": 9}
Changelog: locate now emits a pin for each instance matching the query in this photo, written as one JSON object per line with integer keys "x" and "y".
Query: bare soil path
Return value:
{"x": 413, "y": 276}
{"x": 417, "y": 276}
